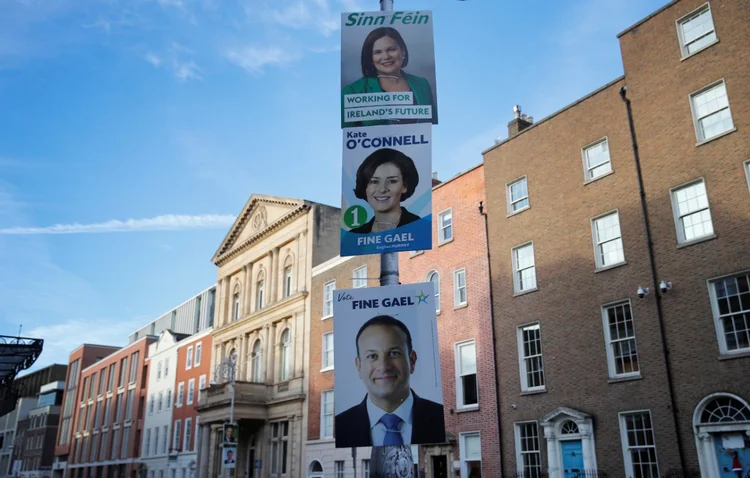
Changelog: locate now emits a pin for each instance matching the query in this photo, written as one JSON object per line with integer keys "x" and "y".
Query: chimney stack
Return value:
{"x": 435, "y": 180}
{"x": 519, "y": 123}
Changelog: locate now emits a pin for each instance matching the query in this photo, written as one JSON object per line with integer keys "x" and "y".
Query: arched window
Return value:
{"x": 286, "y": 355}
{"x": 434, "y": 277}
{"x": 257, "y": 362}
{"x": 236, "y": 304}
{"x": 288, "y": 276}
{"x": 315, "y": 470}
{"x": 569, "y": 427}
{"x": 259, "y": 289}
{"x": 725, "y": 409}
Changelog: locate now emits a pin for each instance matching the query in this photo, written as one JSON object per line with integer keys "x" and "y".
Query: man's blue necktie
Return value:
{"x": 392, "y": 433}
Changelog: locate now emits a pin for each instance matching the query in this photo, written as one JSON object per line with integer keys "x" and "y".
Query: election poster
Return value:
{"x": 386, "y": 195}
{"x": 388, "y": 389}
{"x": 230, "y": 434}
{"x": 229, "y": 457}
{"x": 387, "y": 68}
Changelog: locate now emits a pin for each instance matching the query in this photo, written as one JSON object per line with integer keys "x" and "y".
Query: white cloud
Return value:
{"x": 186, "y": 70}
{"x": 170, "y": 222}
{"x": 153, "y": 59}
{"x": 298, "y": 14}
{"x": 254, "y": 58}
{"x": 62, "y": 338}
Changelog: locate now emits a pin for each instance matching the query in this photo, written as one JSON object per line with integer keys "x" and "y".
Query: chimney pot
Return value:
{"x": 519, "y": 122}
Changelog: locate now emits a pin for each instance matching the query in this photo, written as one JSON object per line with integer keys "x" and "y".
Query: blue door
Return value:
{"x": 731, "y": 460}
{"x": 572, "y": 458}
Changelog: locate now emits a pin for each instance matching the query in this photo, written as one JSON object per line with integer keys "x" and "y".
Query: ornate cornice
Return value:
{"x": 229, "y": 250}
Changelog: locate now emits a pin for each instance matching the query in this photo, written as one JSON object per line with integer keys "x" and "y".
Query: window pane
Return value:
{"x": 468, "y": 359}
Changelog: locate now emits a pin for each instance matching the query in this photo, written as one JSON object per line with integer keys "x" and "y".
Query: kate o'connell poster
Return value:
{"x": 386, "y": 199}
{"x": 388, "y": 389}
{"x": 387, "y": 68}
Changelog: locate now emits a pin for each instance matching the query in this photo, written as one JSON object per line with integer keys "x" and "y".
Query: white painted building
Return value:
{"x": 157, "y": 418}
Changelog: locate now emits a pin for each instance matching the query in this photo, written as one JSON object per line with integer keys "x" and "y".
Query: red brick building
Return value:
{"x": 458, "y": 266}
{"x": 337, "y": 273}
{"x": 622, "y": 316}
{"x": 193, "y": 375}
{"x": 111, "y": 396}
{"x": 79, "y": 359}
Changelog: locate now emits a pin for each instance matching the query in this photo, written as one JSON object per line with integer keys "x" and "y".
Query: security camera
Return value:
{"x": 642, "y": 292}
{"x": 664, "y": 286}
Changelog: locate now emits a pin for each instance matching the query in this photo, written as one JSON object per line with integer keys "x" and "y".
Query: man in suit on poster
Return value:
{"x": 391, "y": 412}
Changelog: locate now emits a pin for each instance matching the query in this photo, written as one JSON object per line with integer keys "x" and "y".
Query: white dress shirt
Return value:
{"x": 377, "y": 429}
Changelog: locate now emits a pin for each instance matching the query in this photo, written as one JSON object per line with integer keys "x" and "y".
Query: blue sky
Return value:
{"x": 132, "y": 131}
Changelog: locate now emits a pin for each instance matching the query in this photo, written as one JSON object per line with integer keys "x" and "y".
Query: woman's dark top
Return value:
{"x": 406, "y": 218}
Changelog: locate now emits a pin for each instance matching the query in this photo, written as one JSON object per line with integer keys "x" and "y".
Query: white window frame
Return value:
{"x": 160, "y": 402}
{"x": 150, "y": 405}
{"x": 436, "y": 293}
{"x": 679, "y": 229}
{"x": 706, "y": 7}
{"x": 191, "y": 392}
{"x": 627, "y": 458}
{"x": 462, "y": 450}
{"x": 718, "y": 324}
{"x": 746, "y": 166}
{"x": 459, "y": 383}
{"x": 202, "y": 382}
{"x": 520, "y": 453}
{"x": 189, "y": 358}
{"x": 327, "y": 366}
{"x": 198, "y": 354}
{"x": 358, "y": 279}
{"x": 288, "y": 280}
{"x": 509, "y": 196}
{"x": 441, "y": 228}
{"x": 611, "y": 367}
{"x": 595, "y": 236}
{"x": 187, "y": 434}
{"x": 328, "y": 289}
{"x": 457, "y": 288}
{"x": 177, "y": 435}
{"x": 180, "y": 394}
{"x": 169, "y": 398}
{"x": 323, "y": 433}
{"x": 516, "y": 282}
{"x": 696, "y": 120}
{"x": 158, "y": 371}
{"x": 523, "y": 370}
{"x": 166, "y": 367}
{"x": 236, "y": 306}
{"x": 587, "y": 178}
{"x": 287, "y": 357}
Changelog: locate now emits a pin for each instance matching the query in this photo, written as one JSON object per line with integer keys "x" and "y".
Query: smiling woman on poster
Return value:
{"x": 385, "y": 179}
{"x": 384, "y": 57}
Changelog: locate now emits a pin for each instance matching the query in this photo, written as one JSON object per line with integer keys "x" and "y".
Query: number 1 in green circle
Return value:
{"x": 355, "y": 216}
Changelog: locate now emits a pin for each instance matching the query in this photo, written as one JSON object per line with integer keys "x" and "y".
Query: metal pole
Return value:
{"x": 390, "y": 461}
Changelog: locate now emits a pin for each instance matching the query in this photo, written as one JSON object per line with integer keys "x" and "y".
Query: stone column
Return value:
{"x": 244, "y": 308}
{"x": 242, "y": 359}
{"x": 270, "y": 347}
{"x": 586, "y": 431}
{"x": 553, "y": 456}
{"x": 220, "y": 291}
{"x": 204, "y": 439}
{"x": 298, "y": 343}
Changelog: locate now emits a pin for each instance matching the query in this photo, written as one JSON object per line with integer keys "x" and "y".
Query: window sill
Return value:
{"x": 517, "y": 294}
{"x": 690, "y": 55}
{"x": 730, "y": 356}
{"x": 415, "y": 254}
{"x": 720, "y": 135}
{"x": 461, "y": 306}
{"x": 515, "y": 213}
{"x": 470, "y": 408}
{"x": 447, "y": 241}
{"x": 327, "y": 317}
{"x": 629, "y": 378}
{"x": 613, "y": 266}
{"x": 327, "y": 369}
{"x": 696, "y": 241}
{"x": 534, "y": 392}
{"x": 593, "y": 180}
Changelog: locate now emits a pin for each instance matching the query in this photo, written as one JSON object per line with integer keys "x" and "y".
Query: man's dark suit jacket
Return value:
{"x": 428, "y": 424}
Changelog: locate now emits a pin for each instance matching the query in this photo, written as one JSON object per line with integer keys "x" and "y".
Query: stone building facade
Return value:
{"x": 261, "y": 332}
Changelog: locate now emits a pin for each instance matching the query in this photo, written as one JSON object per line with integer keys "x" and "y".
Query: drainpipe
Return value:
{"x": 492, "y": 323}
{"x": 655, "y": 281}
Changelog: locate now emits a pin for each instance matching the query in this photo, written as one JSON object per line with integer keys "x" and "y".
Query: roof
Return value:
{"x": 17, "y": 354}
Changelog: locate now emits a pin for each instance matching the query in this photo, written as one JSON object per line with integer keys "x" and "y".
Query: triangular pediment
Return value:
{"x": 259, "y": 214}
{"x": 564, "y": 412}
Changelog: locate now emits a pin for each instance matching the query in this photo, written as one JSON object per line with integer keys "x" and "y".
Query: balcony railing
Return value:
{"x": 245, "y": 393}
